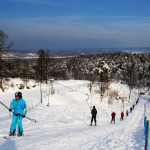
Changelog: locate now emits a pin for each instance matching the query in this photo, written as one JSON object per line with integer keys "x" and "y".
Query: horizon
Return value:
{"x": 88, "y": 50}
{"x": 83, "y": 48}
{"x": 75, "y": 24}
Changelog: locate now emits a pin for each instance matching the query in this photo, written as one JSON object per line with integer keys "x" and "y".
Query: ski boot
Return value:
{"x": 91, "y": 124}
{"x": 12, "y": 134}
{"x": 20, "y": 134}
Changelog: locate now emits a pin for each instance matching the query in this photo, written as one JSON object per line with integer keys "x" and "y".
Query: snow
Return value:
{"x": 147, "y": 107}
{"x": 64, "y": 125}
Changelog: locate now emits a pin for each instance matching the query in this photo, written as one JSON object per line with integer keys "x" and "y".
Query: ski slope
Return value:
{"x": 64, "y": 125}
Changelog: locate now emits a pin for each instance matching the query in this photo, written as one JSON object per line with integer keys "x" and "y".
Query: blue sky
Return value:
{"x": 72, "y": 24}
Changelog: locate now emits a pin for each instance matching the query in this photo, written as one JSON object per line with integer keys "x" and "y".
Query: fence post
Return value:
{"x": 148, "y": 140}
{"x": 145, "y": 120}
{"x": 147, "y": 134}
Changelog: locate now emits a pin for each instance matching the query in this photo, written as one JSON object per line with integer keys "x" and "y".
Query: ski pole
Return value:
{"x": 31, "y": 119}
{"x": 4, "y": 105}
{"x": 21, "y": 115}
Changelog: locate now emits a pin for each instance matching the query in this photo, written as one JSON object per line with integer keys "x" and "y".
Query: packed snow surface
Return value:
{"x": 64, "y": 125}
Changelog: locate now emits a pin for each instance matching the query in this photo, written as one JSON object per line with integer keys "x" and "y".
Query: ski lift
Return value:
{"x": 52, "y": 90}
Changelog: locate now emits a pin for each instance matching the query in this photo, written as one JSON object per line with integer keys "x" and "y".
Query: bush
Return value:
{"x": 12, "y": 84}
{"x": 21, "y": 86}
{"x": 113, "y": 95}
{"x": 34, "y": 86}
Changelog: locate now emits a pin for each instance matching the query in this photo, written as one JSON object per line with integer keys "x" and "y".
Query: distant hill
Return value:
{"x": 25, "y": 54}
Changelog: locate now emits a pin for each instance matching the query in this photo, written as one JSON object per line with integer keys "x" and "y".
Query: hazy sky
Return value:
{"x": 70, "y": 24}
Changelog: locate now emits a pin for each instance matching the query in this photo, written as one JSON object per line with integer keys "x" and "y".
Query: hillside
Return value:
{"x": 64, "y": 125}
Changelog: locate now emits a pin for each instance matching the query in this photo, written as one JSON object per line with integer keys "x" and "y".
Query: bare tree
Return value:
{"x": 43, "y": 63}
{"x": 25, "y": 72}
{"x": 48, "y": 62}
{"x": 130, "y": 75}
{"x": 4, "y": 45}
{"x": 101, "y": 74}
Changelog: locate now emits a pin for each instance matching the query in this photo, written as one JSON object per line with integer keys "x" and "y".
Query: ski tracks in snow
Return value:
{"x": 123, "y": 135}
{"x": 63, "y": 126}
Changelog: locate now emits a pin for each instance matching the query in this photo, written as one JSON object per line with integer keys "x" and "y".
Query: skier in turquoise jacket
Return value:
{"x": 19, "y": 108}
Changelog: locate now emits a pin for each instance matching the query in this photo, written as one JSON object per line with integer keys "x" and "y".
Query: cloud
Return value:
{"x": 77, "y": 31}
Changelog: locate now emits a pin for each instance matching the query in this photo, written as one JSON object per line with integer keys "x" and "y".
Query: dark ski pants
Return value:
{"x": 113, "y": 119}
{"x": 121, "y": 118}
{"x": 93, "y": 118}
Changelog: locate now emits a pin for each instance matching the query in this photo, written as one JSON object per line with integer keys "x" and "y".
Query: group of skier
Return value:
{"x": 19, "y": 109}
{"x": 113, "y": 115}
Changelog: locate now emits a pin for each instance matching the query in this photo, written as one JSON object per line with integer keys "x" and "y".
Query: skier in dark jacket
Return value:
{"x": 130, "y": 109}
{"x": 94, "y": 113}
{"x": 133, "y": 106}
{"x": 127, "y": 112}
{"x": 122, "y": 115}
{"x": 136, "y": 101}
{"x": 113, "y": 117}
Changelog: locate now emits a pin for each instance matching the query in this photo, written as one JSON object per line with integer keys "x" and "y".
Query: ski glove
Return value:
{"x": 10, "y": 110}
{"x": 23, "y": 116}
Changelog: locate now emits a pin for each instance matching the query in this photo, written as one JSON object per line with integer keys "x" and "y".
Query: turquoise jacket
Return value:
{"x": 19, "y": 106}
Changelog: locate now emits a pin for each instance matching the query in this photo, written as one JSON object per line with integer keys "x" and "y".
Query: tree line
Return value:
{"x": 131, "y": 68}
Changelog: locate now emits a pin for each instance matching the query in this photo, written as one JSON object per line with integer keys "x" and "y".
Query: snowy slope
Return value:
{"x": 65, "y": 124}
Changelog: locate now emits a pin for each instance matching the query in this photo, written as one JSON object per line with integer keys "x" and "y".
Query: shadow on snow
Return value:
{"x": 8, "y": 145}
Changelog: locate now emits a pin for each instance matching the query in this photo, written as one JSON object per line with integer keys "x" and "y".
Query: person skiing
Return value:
{"x": 137, "y": 101}
{"x": 130, "y": 109}
{"x": 19, "y": 109}
{"x": 133, "y": 106}
{"x": 113, "y": 117}
{"x": 127, "y": 112}
{"x": 122, "y": 115}
{"x": 94, "y": 113}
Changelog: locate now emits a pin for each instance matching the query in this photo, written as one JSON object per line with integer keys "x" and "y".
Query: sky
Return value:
{"x": 73, "y": 24}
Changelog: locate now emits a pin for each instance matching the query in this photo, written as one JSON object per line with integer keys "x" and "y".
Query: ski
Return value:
{"x": 91, "y": 125}
{"x": 12, "y": 137}
{"x": 9, "y": 137}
